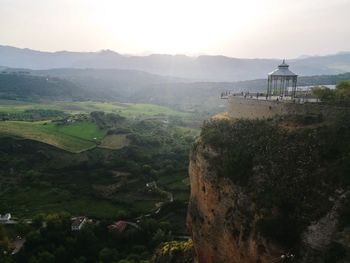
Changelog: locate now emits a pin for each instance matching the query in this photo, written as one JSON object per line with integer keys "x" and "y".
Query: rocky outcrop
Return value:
{"x": 229, "y": 222}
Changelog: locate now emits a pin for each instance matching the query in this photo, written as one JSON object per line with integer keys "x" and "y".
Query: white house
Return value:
{"x": 5, "y": 218}
{"x": 78, "y": 223}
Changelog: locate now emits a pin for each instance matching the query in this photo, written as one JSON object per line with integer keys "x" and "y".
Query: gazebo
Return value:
{"x": 280, "y": 80}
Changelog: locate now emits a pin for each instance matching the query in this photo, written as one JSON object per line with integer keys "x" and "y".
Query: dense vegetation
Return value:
{"x": 24, "y": 87}
{"x": 54, "y": 241}
{"x": 32, "y": 115}
{"x": 339, "y": 96}
{"x": 291, "y": 169}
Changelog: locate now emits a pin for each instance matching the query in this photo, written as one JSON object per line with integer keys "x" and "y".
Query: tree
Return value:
{"x": 159, "y": 237}
{"x": 61, "y": 254}
{"x": 46, "y": 257}
{"x": 38, "y": 220}
{"x": 80, "y": 259}
{"x": 323, "y": 93}
{"x": 108, "y": 255}
{"x": 34, "y": 239}
{"x": 343, "y": 91}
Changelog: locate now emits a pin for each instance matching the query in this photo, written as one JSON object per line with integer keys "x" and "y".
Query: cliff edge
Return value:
{"x": 268, "y": 191}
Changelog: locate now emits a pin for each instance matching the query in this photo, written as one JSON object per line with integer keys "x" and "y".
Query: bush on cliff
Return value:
{"x": 293, "y": 170}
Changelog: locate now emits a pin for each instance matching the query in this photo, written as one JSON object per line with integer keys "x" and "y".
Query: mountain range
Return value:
{"x": 201, "y": 68}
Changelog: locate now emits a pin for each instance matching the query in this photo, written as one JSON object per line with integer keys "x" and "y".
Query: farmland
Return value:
{"x": 81, "y": 135}
{"x": 74, "y": 138}
{"x": 92, "y": 158}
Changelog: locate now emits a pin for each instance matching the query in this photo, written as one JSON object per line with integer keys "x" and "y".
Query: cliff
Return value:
{"x": 271, "y": 191}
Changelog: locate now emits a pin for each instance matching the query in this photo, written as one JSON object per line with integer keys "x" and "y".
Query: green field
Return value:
{"x": 83, "y": 130}
{"x": 124, "y": 109}
{"x": 74, "y": 138}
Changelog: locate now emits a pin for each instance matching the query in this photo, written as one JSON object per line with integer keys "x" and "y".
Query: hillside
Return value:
{"x": 28, "y": 87}
{"x": 202, "y": 68}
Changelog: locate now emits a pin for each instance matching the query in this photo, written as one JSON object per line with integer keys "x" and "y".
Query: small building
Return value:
{"x": 5, "y": 218}
{"x": 119, "y": 226}
{"x": 78, "y": 223}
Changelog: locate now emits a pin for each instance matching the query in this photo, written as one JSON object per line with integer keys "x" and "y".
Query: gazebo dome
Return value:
{"x": 282, "y": 70}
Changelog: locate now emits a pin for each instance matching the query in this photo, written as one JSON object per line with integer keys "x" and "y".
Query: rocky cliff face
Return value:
{"x": 283, "y": 208}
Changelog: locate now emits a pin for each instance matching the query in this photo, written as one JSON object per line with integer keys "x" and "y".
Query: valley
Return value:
{"x": 95, "y": 159}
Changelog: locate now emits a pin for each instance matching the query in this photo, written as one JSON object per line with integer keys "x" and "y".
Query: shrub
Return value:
{"x": 281, "y": 229}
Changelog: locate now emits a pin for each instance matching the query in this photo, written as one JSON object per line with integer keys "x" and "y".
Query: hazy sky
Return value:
{"x": 240, "y": 28}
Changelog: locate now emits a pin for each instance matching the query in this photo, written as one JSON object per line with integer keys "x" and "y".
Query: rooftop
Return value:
{"x": 78, "y": 221}
{"x": 5, "y": 216}
{"x": 282, "y": 70}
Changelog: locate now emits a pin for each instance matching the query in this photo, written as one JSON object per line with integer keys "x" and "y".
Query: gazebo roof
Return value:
{"x": 282, "y": 70}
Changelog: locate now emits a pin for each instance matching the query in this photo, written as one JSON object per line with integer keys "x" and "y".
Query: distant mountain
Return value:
{"x": 202, "y": 68}
{"x": 129, "y": 86}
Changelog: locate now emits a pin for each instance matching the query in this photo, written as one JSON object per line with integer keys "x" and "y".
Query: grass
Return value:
{"x": 124, "y": 109}
{"x": 114, "y": 141}
{"x": 73, "y": 138}
{"x": 83, "y": 130}
{"x": 149, "y": 110}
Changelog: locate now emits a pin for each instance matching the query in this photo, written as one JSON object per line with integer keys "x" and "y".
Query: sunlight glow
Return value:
{"x": 173, "y": 26}
{"x": 248, "y": 28}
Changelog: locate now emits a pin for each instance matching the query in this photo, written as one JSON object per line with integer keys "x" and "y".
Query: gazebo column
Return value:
{"x": 287, "y": 87}
{"x": 294, "y": 87}
{"x": 282, "y": 87}
{"x": 269, "y": 87}
{"x": 285, "y": 91}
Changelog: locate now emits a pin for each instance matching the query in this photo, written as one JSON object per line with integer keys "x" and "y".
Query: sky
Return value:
{"x": 236, "y": 28}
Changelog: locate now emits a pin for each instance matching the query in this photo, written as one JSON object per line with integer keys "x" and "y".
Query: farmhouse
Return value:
{"x": 78, "y": 223}
{"x": 5, "y": 218}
